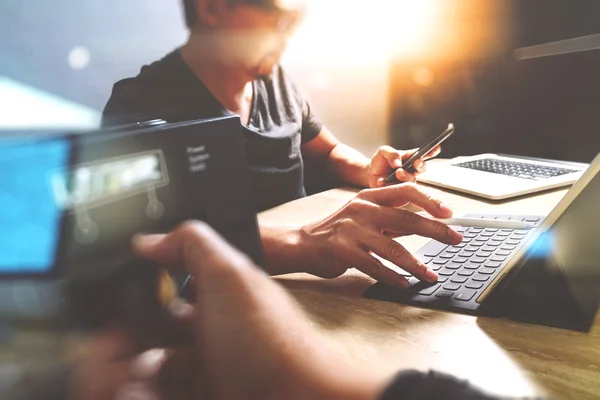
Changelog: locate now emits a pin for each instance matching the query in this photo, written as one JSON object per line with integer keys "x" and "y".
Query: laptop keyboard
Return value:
{"x": 515, "y": 169}
{"x": 467, "y": 269}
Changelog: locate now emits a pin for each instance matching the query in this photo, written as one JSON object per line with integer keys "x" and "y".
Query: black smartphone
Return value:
{"x": 423, "y": 150}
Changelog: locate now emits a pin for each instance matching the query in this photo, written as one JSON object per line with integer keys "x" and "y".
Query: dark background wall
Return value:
{"x": 544, "y": 107}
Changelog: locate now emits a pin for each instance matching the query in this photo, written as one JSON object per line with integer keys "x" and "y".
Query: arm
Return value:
{"x": 346, "y": 238}
{"x": 350, "y": 166}
{"x": 280, "y": 246}
{"x": 344, "y": 162}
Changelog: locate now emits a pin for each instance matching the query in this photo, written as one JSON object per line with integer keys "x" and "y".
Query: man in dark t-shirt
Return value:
{"x": 279, "y": 122}
{"x": 229, "y": 66}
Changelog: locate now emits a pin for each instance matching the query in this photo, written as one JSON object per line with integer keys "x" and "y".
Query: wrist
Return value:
{"x": 282, "y": 249}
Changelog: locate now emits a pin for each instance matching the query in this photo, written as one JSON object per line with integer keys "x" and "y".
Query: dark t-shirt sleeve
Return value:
{"x": 129, "y": 104}
{"x": 311, "y": 125}
{"x": 433, "y": 385}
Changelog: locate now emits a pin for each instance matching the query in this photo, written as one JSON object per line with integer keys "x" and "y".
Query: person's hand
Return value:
{"x": 367, "y": 224}
{"x": 387, "y": 159}
{"x": 114, "y": 366}
{"x": 251, "y": 340}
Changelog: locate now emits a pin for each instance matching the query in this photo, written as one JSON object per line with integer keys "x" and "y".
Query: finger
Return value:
{"x": 364, "y": 262}
{"x": 401, "y": 195}
{"x": 193, "y": 244}
{"x": 391, "y": 250}
{"x": 180, "y": 365}
{"x": 392, "y": 156}
{"x": 407, "y": 222}
{"x": 109, "y": 345}
{"x": 404, "y": 176}
{"x": 385, "y": 159}
{"x": 408, "y": 154}
{"x": 433, "y": 152}
{"x": 420, "y": 166}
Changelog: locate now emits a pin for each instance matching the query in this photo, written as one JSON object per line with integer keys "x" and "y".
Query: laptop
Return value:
{"x": 499, "y": 177}
{"x": 474, "y": 273}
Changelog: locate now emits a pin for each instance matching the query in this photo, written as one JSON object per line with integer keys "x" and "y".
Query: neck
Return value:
{"x": 228, "y": 83}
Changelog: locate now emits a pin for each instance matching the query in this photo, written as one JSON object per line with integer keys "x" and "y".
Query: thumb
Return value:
{"x": 385, "y": 159}
{"x": 197, "y": 248}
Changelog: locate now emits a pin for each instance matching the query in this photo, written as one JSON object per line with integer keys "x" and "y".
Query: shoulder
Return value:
{"x": 132, "y": 98}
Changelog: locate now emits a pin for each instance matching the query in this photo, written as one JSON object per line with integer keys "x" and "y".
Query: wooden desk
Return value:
{"x": 498, "y": 355}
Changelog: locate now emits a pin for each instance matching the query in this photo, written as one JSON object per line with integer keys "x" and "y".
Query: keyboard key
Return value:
{"x": 442, "y": 279}
{"x": 452, "y": 250}
{"x": 451, "y": 286}
{"x": 476, "y": 230}
{"x": 424, "y": 260}
{"x": 488, "y": 248}
{"x": 496, "y": 239}
{"x": 474, "y": 285}
{"x": 465, "y": 253}
{"x": 491, "y": 264}
{"x": 471, "y": 248}
{"x": 444, "y": 294}
{"x": 532, "y": 219}
{"x": 508, "y": 247}
{"x": 481, "y": 239}
{"x": 460, "y": 260}
{"x": 503, "y": 253}
{"x": 453, "y": 266}
{"x": 504, "y": 233}
{"x": 446, "y": 272}
{"x": 481, "y": 278}
{"x": 486, "y": 234}
{"x": 522, "y": 232}
{"x": 430, "y": 290}
{"x": 434, "y": 267}
{"x": 471, "y": 266}
{"x": 486, "y": 271}
{"x": 434, "y": 248}
{"x": 460, "y": 246}
{"x": 440, "y": 261}
{"x": 476, "y": 244}
{"x": 482, "y": 254}
{"x": 469, "y": 235}
{"x": 458, "y": 279}
{"x": 466, "y": 272}
{"x": 493, "y": 243}
{"x": 512, "y": 242}
{"x": 446, "y": 255}
{"x": 497, "y": 259}
{"x": 465, "y": 295}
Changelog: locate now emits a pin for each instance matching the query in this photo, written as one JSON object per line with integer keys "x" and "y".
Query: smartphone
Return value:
{"x": 423, "y": 150}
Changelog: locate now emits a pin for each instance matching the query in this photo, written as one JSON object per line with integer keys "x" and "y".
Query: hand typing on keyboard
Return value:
{"x": 365, "y": 227}
{"x": 465, "y": 270}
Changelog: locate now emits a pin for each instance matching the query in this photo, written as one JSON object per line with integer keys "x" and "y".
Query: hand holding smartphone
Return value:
{"x": 408, "y": 165}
